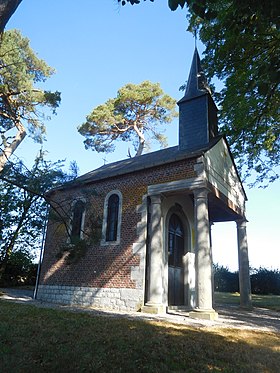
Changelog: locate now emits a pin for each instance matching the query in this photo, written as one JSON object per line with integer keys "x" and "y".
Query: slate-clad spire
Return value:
{"x": 197, "y": 110}
{"x": 197, "y": 83}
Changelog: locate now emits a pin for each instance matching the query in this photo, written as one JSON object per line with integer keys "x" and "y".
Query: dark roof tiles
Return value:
{"x": 145, "y": 161}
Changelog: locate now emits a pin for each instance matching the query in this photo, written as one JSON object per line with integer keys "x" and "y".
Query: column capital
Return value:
{"x": 241, "y": 223}
{"x": 200, "y": 193}
{"x": 155, "y": 198}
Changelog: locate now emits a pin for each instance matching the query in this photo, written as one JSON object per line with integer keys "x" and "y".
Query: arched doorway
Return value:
{"x": 175, "y": 261}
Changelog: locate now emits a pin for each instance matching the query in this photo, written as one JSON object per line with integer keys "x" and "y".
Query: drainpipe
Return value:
{"x": 41, "y": 256}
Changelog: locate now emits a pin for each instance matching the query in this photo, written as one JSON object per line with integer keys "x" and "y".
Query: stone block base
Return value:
{"x": 204, "y": 314}
{"x": 153, "y": 308}
{"x": 121, "y": 299}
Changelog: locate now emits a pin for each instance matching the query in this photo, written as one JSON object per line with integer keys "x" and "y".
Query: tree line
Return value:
{"x": 263, "y": 281}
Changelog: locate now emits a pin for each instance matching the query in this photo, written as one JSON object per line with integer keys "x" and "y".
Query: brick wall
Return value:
{"x": 108, "y": 266}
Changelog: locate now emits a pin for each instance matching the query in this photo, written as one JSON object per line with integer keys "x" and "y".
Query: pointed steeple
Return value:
{"x": 197, "y": 83}
{"x": 197, "y": 110}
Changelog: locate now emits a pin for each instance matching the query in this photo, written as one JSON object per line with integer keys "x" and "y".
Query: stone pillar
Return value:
{"x": 203, "y": 258}
{"x": 212, "y": 276}
{"x": 155, "y": 286}
{"x": 243, "y": 261}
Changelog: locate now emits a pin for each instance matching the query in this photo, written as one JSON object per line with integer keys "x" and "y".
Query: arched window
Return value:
{"x": 111, "y": 228}
{"x": 77, "y": 219}
{"x": 175, "y": 261}
{"x": 112, "y": 218}
{"x": 175, "y": 241}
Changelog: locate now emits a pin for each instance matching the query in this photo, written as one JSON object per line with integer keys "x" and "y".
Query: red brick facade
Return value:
{"x": 106, "y": 266}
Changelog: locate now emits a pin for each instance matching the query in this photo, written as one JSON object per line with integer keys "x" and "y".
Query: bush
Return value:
{"x": 20, "y": 270}
{"x": 265, "y": 281}
{"x": 224, "y": 280}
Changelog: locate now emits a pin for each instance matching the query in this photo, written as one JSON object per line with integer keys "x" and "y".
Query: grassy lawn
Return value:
{"x": 49, "y": 340}
{"x": 265, "y": 301}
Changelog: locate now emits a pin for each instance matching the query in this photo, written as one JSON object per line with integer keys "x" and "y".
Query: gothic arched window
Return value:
{"x": 111, "y": 228}
{"x": 175, "y": 241}
{"x": 77, "y": 219}
{"x": 112, "y": 217}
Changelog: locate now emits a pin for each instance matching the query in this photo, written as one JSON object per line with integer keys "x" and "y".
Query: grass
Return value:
{"x": 50, "y": 340}
{"x": 264, "y": 301}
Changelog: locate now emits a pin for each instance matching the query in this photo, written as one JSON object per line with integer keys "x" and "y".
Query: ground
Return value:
{"x": 230, "y": 316}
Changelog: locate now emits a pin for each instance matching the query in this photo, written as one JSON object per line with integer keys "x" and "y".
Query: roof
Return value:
{"x": 142, "y": 162}
{"x": 197, "y": 84}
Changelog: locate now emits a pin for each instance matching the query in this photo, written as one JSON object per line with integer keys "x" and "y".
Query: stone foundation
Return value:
{"x": 105, "y": 298}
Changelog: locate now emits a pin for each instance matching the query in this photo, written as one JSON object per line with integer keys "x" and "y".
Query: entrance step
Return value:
{"x": 179, "y": 309}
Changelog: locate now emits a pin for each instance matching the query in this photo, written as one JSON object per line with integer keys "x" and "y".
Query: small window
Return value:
{"x": 111, "y": 227}
{"x": 77, "y": 220}
{"x": 112, "y": 218}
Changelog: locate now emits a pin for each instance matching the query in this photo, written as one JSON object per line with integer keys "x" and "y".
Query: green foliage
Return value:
{"x": 73, "y": 251}
{"x": 265, "y": 281}
{"x": 22, "y": 102}
{"x": 224, "y": 280}
{"x": 20, "y": 269}
{"x": 173, "y": 4}
{"x": 23, "y": 207}
{"x": 138, "y": 110}
{"x": 76, "y": 248}
{"x": 242, "y": 50}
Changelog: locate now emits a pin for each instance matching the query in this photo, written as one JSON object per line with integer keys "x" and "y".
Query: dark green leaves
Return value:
{"x": 242, "y": 50}
{"x": 137, "y": 111}
{"x": 22, "y": 103}
{"x": 23, "y": 207}
{"x": 173, "y": 4}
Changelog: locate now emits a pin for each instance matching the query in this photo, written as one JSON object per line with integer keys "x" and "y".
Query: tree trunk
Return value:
{"x": 7, "y": 9}
{"x": 140, "y": 147}
{"x": 9, "y": 149}
{"x": 4, "y": 261}
{"x": 141, "y": 141}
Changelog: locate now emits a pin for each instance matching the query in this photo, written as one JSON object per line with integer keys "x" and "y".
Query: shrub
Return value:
{"x": 224, "y": 280}
{"x": 20, "y": 270}
{"x": 265, "y": 281}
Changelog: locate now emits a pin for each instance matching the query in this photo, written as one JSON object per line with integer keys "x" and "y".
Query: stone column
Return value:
{"x": 155, "y": 287}
{"x": 243, "y": 261}
{"x": 203, "y": 258}
{"x": 212, "y": 276}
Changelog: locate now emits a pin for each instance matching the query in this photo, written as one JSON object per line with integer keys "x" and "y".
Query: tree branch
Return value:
{"x": 7, "y": 9}
{"x": 9, "y": 150}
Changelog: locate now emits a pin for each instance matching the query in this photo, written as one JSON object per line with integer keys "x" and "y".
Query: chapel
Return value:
{"x": 143, "y": 225}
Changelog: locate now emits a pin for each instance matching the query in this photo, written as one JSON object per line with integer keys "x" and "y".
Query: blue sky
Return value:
{"x": 96, "y": 47}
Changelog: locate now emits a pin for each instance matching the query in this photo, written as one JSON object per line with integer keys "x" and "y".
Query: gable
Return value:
{"x": 222, "y": 174}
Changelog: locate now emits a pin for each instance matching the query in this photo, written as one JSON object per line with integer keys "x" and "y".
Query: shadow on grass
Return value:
{"x": 48, "y": 340}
